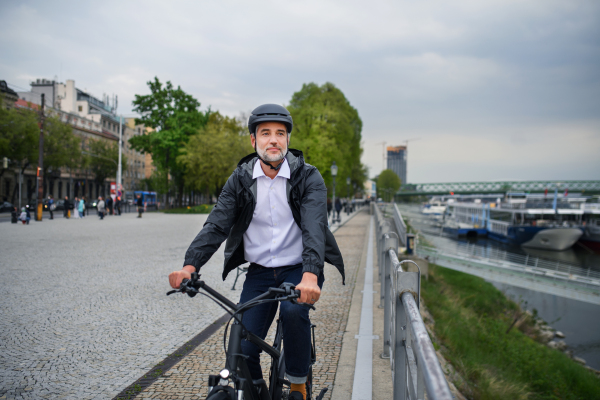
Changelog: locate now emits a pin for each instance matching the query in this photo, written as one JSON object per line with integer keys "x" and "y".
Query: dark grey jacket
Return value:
{"x": 231, "y": 216}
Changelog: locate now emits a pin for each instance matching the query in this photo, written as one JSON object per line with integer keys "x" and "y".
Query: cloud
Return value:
{"x": 467, "y": 77}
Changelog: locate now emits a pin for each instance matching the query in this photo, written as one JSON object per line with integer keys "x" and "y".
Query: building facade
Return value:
{"x": 90, "y": 119}
{"x": 396, "y": 161}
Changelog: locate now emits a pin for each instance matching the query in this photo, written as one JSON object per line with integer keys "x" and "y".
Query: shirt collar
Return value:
{"x": 284, "y": 171}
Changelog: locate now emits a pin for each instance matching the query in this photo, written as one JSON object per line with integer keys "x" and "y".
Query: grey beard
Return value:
{"x": 264, "y": 155}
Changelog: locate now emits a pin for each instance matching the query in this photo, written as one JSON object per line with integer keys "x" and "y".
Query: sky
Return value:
{"x": 479, "y": 90}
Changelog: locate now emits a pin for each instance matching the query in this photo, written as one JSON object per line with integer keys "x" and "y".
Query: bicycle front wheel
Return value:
{"x": 219, "y": 396}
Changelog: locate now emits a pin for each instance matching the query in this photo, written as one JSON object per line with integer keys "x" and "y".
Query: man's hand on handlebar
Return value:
{"x": 176, "y": 277}
{"x": 309, "y": 289}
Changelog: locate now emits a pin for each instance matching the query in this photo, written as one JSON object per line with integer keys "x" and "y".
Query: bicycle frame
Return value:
{"x": 238, "y": 372}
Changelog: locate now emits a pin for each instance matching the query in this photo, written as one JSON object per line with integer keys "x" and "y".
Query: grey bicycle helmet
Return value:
{"x": 270, "y": 113}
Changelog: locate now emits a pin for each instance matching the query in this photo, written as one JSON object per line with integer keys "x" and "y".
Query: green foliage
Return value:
{"x": 213, "y": 152}
{"x": 19, "y": 136}
{"x": 61, "y": 147}
{"x": 199, "y": 209}
{"x": 471, "y": 321}
{"x": 103, "y": 159}
{"x": 174, "y": 116}
{"x": 328, "y": 128}
{"x": 388, "y": 183}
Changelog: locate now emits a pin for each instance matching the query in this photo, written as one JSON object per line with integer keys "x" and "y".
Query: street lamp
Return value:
{"x": 334, "y": 171}
{"x": 348, "y": 195}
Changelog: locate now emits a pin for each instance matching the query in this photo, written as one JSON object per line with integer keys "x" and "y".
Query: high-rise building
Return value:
{"x": 396, "y": 161}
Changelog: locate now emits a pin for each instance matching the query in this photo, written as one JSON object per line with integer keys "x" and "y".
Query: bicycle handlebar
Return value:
{"x": 285, "y": 292}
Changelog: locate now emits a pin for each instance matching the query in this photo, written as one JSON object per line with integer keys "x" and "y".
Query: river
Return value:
{"x": 579, "y": 321}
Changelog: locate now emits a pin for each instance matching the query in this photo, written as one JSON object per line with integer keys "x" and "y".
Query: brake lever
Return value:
{"x": 295, "y": 301}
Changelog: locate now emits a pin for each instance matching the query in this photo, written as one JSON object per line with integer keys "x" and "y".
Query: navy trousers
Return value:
{"x": 295, "y": 319}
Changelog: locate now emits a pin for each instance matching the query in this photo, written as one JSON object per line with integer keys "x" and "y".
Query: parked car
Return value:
{"x": 6, "y": 207}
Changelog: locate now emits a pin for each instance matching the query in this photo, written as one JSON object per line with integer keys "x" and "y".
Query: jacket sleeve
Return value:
{"x": 313, "y": 214}
{"x": 216, "y": 228}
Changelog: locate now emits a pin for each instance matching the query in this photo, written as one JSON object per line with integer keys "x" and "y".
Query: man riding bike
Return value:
{"x": 273, "y": 213}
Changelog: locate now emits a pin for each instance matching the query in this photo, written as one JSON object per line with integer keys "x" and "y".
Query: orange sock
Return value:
{"x": 299, "y": 387}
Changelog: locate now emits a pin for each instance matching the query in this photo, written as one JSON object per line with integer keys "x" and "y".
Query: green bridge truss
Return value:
{"x": 588, "y": 187}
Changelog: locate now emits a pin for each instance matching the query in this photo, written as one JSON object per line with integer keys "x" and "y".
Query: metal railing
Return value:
{"x": 414, "y": 363}
{"x": 524, "y": 264}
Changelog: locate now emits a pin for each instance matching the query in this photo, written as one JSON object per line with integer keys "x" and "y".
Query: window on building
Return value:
{"x": 80, "y": 108}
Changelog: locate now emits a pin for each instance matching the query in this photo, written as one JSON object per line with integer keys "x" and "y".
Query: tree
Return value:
{"x": 212, "y": 154}
{"x": 20, "y": 137}
{"x": 388, "y": 183}
{"x": 103, "y": 159}
{"x": 327, "y": 128}
{"x": 175, "y": 116}
{"x": 61, "y": 148}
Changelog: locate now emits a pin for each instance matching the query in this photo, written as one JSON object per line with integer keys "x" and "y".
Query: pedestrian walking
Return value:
{"x": 140, "y": 205}
{"x": 67, "y": 210}
{"x": 329, "y": 207}
{"x": 51, "y": 206}
{"x": 338, "y": 208}
{"x": 14, "y": 216}
{"x": 81, "y": 207}
{"x": 118, "y": 206}
{"x": 109, "y": 205}
{"x": 28, "y": 215}
{"x": 76, "y": 208}
{"x": 101, "y": 207}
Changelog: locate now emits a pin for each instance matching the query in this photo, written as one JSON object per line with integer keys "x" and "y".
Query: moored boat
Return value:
{"x": 525, "y": 221}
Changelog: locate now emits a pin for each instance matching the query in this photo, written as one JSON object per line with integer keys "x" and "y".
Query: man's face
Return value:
{"x": 271, "y": 141}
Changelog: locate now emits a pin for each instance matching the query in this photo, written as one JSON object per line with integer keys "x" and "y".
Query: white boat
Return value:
{"x": 525, "y": 220}
{"x": 434, "y": 207}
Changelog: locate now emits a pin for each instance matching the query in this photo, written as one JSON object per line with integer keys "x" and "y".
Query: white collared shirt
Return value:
{"x": 273, "y": 238}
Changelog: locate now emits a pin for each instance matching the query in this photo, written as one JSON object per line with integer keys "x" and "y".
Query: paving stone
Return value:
{"x": 83, "y": 302}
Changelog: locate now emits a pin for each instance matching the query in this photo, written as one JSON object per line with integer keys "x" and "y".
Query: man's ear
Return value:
{"x": 252, "y": 139}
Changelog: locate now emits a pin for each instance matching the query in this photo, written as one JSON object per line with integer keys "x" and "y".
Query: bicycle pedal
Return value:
{"x": 322, "y": 394}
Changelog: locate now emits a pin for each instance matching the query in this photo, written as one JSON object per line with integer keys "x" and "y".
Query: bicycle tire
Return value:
{"x": 219, "y": 396}
{"x": 309, "y": 385}
{"x": 279, "y": 371}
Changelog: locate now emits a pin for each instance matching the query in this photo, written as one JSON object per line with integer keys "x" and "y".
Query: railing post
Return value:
{"x": 400, "y": 368}
{"x": 405, "y": 282}
{"x": 391, "y": 243}
{"x": 385, "y": 229}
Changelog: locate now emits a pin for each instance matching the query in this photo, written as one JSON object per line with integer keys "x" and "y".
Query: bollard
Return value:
{"x": 390, "y": 243}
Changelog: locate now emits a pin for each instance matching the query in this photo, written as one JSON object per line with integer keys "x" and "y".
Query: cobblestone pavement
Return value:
{"x": 84, "y": 311}
{"x": 188, "y": 379}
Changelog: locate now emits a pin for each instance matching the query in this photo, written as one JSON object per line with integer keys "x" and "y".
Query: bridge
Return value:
{"x": 419, "y": 189}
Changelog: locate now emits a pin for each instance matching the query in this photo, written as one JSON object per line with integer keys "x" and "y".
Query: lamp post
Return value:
{"x": 334, "y": 171}
{"x": 348, "y": 195}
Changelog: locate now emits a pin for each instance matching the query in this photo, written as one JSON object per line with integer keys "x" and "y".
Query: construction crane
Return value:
{"x": 410, "y": 140}
{"x": 383, "y": 154}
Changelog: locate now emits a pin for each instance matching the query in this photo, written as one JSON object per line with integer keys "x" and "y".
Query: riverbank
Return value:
{"x": 494, "y": 346}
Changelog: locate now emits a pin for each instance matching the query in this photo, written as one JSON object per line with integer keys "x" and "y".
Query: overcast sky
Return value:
{"x": 486, "y": 90}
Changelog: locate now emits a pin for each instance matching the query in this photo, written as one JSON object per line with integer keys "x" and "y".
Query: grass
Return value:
{"x": 199, "y": 209}
{"x": 475, "y": 327}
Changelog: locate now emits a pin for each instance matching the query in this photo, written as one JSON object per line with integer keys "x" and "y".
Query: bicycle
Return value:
{"x": 234, "y": 382}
